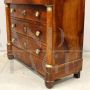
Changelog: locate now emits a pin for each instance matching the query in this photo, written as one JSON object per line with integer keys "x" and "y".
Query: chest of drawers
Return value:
{"x": 46, "y": 35}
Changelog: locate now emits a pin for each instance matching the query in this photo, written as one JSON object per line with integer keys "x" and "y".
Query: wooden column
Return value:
{"x": 49, "y": 62}
{"x": 9, "y": 41}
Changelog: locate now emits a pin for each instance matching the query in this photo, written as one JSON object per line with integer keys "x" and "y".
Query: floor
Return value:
{"x": 15, "y": 76}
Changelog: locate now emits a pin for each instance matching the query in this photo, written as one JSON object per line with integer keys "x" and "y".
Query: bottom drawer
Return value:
{"x": 29, "y": 59}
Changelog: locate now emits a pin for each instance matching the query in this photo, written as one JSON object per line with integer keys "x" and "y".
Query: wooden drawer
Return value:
{"x": 29, "y": 59}
{"x": 36, "y": 48}
{"x": 29, "y": 12}
{"x": 19, "y": 26}
{"x": 19, "y": 40}
{"x": 31, "y": 29}
{"x": 32, "y": 45}
{"x": 38, "y": 64}
{"x": 21, "y": 55}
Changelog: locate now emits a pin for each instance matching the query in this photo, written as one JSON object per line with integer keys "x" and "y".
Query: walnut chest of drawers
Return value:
{"x": 46, "y": 35}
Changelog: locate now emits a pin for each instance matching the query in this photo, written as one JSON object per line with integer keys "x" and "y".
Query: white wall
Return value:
{"x": 87, "y": 26}
{"x": 3, "y": 26}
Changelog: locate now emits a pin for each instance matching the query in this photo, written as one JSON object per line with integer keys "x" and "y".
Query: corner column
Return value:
{"x": 8, "y": 25}
{"x": 49, "y": 81}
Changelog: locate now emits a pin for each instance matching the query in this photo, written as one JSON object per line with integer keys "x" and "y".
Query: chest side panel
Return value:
{"x": 68, "y": 38}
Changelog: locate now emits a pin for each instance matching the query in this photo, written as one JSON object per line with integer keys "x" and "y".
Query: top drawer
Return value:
{"x": 29, "y": 12}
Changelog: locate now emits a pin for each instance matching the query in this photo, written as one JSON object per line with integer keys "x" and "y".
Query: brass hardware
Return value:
{"x": 13, "y": 25}
{"x": 12, "y": 10}
{"x": 49, "y": 8}
{"x": 37, "y": 14}
{"x": 37, "y": 33}
{"x": 13, "y": 40}
{"x": 8, "y": 44}
{"x": 48, "y": 66}
{"x": 49, "y": 81}
{"x": 25, "y": 29}
{"x": 6, "y": 5}
{"x": 37, "y": 51}
{"x": 24, "y": 12}
{"x": 25, "y": 45}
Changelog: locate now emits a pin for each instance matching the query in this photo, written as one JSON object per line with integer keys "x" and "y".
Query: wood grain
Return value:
{"x": 60, "y": 44}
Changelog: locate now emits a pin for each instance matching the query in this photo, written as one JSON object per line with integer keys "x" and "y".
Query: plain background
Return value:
{"x": 3, "y": 27}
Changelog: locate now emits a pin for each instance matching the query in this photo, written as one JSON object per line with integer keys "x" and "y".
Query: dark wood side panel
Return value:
{"x": 68, "y": 41}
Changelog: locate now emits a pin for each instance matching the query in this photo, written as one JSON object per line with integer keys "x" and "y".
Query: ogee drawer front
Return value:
{"x": 19, "y": 40}
{"x": 31, "y": 29}
{"x": 36, "y": 48}
{"x": 29, "y": 12}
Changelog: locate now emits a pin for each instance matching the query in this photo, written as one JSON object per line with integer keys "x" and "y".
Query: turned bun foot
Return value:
{"x": 10, "y": 57}
{"x": 77, "y": 75}
{"x": 50, "y": 84}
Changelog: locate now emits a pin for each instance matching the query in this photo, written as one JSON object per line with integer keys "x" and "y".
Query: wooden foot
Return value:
{"x": 77, "y": 75}
{"x": 10, "y": 57}
{"x": 49, "y": 84}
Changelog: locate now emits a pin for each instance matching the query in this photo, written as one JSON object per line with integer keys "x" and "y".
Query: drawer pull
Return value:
{"x": 37, "y": 51}
{"x": 12, "y": 10}
{"x": 25, "y": 29}
{"x": 24, "y": 12}
{"x": 37, "y": 33}
{"x": 13, "y": 25}
{"x": 37, "y": 14}
{"x": 13, "y": 40}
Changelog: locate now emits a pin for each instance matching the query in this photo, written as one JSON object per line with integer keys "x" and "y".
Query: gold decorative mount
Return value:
{"x": 8, "y": 44}
{"x": 6, "y": 5}
{"x": 49, "y": 66}
{"x": 49, "y": 8}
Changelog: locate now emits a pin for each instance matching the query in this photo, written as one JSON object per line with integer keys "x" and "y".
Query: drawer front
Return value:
{"x": 37, "y": 64}
{"x": 29, "y": 59}
{"x": 22, "y": 55}
{"x": 31, "y": 29}
{"x": 19, "y": 26}
{"x": 36, "y": 48}
{"x": 29, "y": 12}
{"x": 19, "y": 40}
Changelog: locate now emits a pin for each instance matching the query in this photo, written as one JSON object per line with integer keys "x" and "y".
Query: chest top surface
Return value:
{"x": 42, "y": 2}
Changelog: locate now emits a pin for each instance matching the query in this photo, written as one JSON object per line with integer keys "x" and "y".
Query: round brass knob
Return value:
{"x": 13, "y": 25}
{"x": 37, "y": 14}
{"x": 24, "y": 12}
{"x": 37, "y": 33}
{"x": 13, "y": 40}
{"x": 6, "y": 5}
{"x": 37, "y": 51}
{"x": 12, "y": 10}
{"x": 25, "y": 29}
